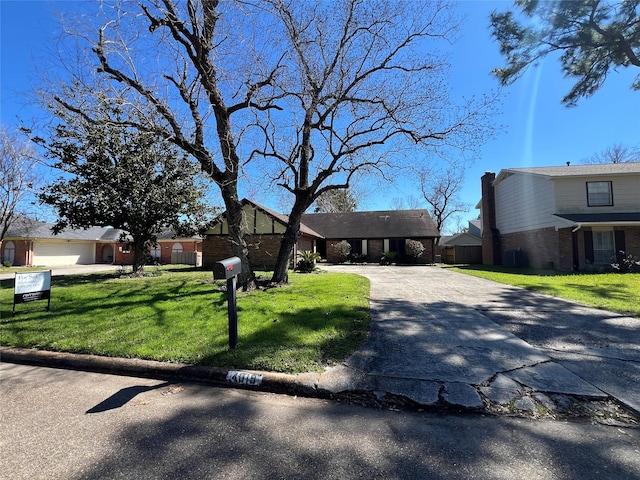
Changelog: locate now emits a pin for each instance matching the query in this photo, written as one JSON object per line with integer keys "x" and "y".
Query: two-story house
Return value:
{"x": 566, "y": 218}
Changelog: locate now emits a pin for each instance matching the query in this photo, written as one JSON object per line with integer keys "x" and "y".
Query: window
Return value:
{"x": 603, "y": 246}
{"x": 356, "y": 246}
{"x": 9, "y": 252}
{"x": 156, "y": 253}
{"x": 599, "y": 194}
{"x": 177, "y": 248}
{"x": 398, "y": 245}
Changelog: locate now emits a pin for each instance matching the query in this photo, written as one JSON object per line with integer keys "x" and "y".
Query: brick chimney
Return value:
{"x": 491, "y": 245}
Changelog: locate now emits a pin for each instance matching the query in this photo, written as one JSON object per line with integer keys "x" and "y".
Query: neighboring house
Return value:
{"x": 370, "y": 235}
{"x": 461, "y": 247}
{"x": 475, "y": 228}
{"x": 567, "y": 218}
{"x": 32, "y": 243}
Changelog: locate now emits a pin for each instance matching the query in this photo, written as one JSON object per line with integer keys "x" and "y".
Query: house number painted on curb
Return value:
{"x": 244, "y": 378}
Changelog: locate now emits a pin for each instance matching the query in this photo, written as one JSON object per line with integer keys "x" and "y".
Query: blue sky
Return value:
{"x": 538, "y": 130}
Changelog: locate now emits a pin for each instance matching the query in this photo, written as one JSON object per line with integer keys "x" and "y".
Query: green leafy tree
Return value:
{"x": 119, "y": 177}
{"x": 592, "y": 36}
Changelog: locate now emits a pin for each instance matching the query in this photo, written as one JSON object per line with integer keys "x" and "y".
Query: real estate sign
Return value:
{"x": 32, "y": 286}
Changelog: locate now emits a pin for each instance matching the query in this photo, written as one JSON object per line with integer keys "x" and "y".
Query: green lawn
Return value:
{"x": 610, "y": 291}
{"x": 181, "y": 316}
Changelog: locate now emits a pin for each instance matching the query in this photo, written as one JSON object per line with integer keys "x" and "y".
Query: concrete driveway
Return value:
{"x": 439, "y": 335}
{"x": 70, "y": 270}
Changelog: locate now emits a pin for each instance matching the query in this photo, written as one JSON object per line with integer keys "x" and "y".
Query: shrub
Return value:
{"x": 343, "y": 249}
{"x": 359, "y": 258}
{"x": 388, "y": 258}
{"x": 7, "y": 264}
{"x": 307, "y": 262}
{"x": 626, "y": 264}
{"x": 415, "y": 248}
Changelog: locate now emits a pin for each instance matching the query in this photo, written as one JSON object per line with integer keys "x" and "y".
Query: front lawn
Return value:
{"x": 181, "y": 316}
{"x": 610, "y": 291}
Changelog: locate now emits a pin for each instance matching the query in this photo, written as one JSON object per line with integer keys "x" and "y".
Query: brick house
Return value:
{"x": 32, "y": 243}
{"x": 370, "y": 234}
{"x": 566, "y": 218}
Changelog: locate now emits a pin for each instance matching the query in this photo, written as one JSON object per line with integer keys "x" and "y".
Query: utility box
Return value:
{"x": 227, "y": 268}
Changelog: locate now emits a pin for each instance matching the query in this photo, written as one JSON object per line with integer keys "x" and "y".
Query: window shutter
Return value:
{"x": 588, "y": 246}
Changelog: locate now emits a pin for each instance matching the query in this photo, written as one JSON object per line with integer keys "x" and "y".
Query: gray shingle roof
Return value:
{"x": 29, "y": 228}
{"x": 581, "y": 170}
{"x": 377, "y": 224}
{"x": 601, "y": 217}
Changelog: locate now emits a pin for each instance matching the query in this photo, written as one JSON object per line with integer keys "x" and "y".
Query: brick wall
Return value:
{"x": 375, "y": 250}
{"x": 263, "y": 250}
{"x": 632, "y": 241}
{"x": 21, "y": 254}
{"x": 540, "y": 247}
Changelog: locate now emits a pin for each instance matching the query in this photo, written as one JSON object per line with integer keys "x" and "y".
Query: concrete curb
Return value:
{"x": 301, "y": 384}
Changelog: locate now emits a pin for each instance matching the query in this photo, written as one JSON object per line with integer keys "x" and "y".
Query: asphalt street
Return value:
{"x": 67, "y": 424}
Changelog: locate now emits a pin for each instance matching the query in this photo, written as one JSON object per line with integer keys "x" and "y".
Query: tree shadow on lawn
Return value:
{"x": 283, "y": 337}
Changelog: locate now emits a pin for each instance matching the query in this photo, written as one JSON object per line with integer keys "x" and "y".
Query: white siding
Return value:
{"x": 524, "y": 202}
{"x": 51, "y": 253}
{"x": 571, "y": 194}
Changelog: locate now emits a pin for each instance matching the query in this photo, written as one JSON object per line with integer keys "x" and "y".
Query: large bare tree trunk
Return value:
{"x": 235, "y": 221}
{"x": 289, "y": 241}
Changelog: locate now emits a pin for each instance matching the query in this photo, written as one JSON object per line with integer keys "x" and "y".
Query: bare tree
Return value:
{"x": 364, "y": 87}
{"x": 189, "y": 64}
{"x": 440, "y": 189}
{"x": 407, "y": 203}
{"x": 313, "y": 93}
{"x": 18, "y": 177}
{"x": 617, "y": 153}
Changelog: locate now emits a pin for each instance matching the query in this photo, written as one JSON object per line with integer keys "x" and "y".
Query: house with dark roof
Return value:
{"x": 566, "y": 218}
{"x": 370, "y": 235}
{"x": 30, "y": 242}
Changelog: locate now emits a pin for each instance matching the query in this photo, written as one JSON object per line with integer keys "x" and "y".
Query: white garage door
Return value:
{"x": 57, "y": 253}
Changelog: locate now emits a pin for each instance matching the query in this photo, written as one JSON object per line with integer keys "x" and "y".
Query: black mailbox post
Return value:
{"x": 228, "y": 269}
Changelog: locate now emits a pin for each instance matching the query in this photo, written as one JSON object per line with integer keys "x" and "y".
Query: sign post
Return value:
{"x": 32, "y": 286}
